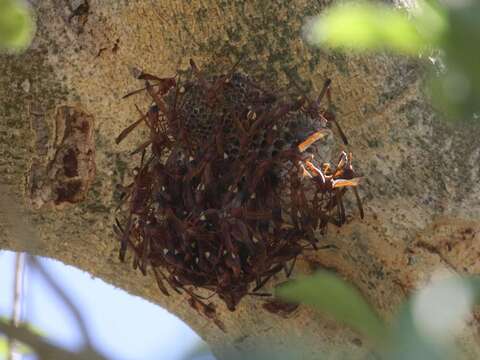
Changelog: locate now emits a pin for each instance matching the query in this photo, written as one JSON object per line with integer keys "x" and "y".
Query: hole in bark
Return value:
{"x": 68, "y": 191}
{"x": 70, "y": 164}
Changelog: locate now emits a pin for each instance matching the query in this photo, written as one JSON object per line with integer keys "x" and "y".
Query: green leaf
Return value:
{"x": 431, "y": 21}
{"x": 294, "y": 348}
{"x": 367, "y": 27}
{"x": 426, "y": 328}
{"x": 34, "y": 329}
{"x": 5, "y": 348}
{"x": 16, "y": 25}
{"x": 473, "y": 283}
{"x": 331, "y": 295}
{"x": 408, "y": 343}
{"x": 457, "y": 90}
{"x": 198, "y": 350}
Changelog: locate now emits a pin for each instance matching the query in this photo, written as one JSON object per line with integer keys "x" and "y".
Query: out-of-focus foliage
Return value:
{"x": 457, "y": 90}
{"x": 5, "y": 348}
{"x": 17, "y": 26}
{"x": 42, "y": 347}
{"x": 265, "y": 349}
{"x": 20, "y": 348}
{"x": 365, "y": 26}
{"x": 448, "y": 32}
{"x": 199, "y": 351}
{"x": 425, "y": 328}
{"x": 336, "y": 298}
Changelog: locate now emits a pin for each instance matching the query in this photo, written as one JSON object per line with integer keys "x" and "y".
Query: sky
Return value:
{"x": 123, "y": 326}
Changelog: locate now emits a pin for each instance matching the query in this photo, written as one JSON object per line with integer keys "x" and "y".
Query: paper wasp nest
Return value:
{"x": 227, "y": 194}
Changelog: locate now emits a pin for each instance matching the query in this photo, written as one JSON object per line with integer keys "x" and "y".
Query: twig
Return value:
{"x": 44, "y": 349}
{"x": 65, "y": 299}
{"x": 17, "y": 301}
{"x": 26, "y": 237}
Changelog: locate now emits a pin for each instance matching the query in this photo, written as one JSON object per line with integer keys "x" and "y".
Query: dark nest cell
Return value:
{"x": 227, "y": 194}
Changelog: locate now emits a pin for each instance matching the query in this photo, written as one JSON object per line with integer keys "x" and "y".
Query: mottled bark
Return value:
{"x": 421, "y": 191}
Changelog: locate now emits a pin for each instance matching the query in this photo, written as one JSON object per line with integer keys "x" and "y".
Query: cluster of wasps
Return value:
{"x": 227, "y": 193}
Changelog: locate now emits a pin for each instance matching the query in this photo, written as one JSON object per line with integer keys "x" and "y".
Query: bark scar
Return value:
{"x": 68, "y": 175}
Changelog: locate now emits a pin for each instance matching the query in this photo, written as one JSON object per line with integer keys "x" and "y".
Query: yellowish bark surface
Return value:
{"x": 421, "y": 185}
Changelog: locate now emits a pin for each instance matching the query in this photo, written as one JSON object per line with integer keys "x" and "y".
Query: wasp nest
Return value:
{"x": 227, "y": 193}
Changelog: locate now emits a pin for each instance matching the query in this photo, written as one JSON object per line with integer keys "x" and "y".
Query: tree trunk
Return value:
{"x": 421, "y": 190}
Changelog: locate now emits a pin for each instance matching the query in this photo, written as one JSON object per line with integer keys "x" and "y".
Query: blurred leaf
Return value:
{"x": 458, "y": 89}
{"x": 473, "y": 282}
{"x": 431, "y": 21}
{"x": 407, "y": 343}
{"x": 198, "y": 350}
{"x": 294, "y": 348}
{"x": 16, "y": 25}
{"x": 5, "y": 348}
{"x": 34, "y": 329}
{"x": 21, "y": 348}
{"x": 452, "y": 26}
{"x": 410, "y": 340}
{"x": 42, "y": 347}
{"x": 369, "y": 27}
{"x": 331, "y": 295}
